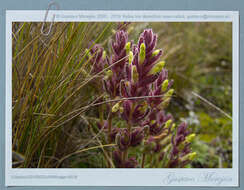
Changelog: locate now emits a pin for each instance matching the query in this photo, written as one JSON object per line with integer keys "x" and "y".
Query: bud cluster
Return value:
{"x": 138, "y": 77}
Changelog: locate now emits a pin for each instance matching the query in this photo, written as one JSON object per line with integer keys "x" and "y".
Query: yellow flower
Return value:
{"x": 142, "y": 53}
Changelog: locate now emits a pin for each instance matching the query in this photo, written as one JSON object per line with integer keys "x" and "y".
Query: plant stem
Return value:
{"x": 129, "y": 129}
{"x": 125, "y": 155}
{"x": 109, "y": 133}
{"x": 143, "y": 160}
{"x": 130, "y": 117}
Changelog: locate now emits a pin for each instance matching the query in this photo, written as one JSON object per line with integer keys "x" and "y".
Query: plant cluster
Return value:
{"x": 138, "y": 93}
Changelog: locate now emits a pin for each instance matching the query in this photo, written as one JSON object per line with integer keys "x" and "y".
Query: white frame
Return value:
{"x": 123, "y": 177}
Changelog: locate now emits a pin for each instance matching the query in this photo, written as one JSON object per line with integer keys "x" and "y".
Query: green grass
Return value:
{"x": 49, "y": 75}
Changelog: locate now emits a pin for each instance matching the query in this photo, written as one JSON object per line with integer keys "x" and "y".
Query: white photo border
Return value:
{"x": 123, "y": 177}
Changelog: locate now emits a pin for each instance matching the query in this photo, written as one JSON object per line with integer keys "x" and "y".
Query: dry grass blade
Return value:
{"x": 90, "y": 79}
{"x": 212, "y": 105}
{"x": 83, "y": 150}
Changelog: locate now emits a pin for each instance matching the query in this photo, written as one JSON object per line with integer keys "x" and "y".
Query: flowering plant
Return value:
{"x": 137, "y": 83}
